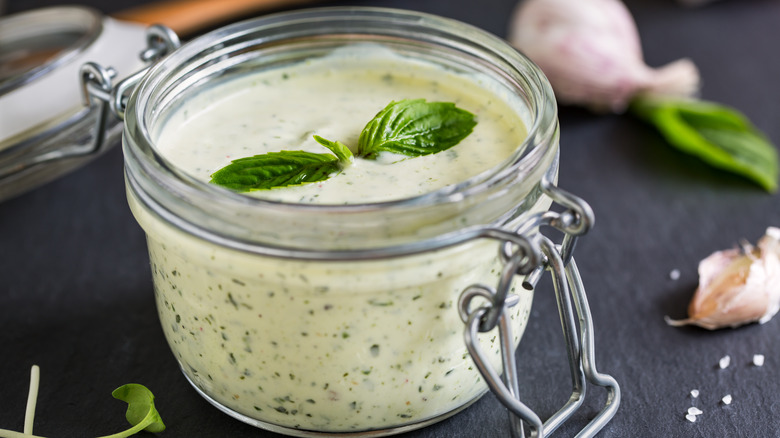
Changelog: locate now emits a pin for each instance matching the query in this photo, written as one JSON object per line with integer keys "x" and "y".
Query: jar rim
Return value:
{"x": 534, "y": 152}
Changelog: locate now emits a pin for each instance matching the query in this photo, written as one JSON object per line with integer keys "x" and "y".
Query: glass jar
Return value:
{"x": 317, "y": 319}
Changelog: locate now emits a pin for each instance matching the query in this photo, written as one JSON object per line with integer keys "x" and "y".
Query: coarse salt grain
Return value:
{"x": 724, "y": 361}
{"x": 694, "y": 393}
{"x": 691, "y": 418}
{"x": 758, "y": 360}
{"x": 674, "y": 274}
{"x": 726, "y": 399}
{"x": 693, "y": 410}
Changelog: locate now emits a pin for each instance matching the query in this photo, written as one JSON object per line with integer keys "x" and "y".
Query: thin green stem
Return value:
{"x": 148, "y": 419}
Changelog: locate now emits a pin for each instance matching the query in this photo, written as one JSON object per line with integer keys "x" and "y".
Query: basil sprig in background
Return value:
{"x": 411, "y": 127}
{"x": 718, "y": 135}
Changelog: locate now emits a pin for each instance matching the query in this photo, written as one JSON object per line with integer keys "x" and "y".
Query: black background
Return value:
{"x": 76, "y": 293}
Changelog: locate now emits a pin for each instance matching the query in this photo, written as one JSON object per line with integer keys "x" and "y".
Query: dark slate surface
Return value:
{"x": 76, "y": 292}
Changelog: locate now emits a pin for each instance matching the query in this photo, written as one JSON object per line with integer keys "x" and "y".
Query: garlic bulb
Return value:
{"x": 590, "y": 51}
{"x": 737, "y": 286}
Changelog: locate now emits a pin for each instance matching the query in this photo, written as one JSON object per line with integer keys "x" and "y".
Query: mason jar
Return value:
{"x": 317, "y": 319}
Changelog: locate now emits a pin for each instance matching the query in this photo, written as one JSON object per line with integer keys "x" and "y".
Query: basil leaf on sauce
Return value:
{"x": 276, "y": 169}
{"x": 340, "y": 149}
{"x": 414, "y": 127}
{"x": 409, "y": 127}
{"x": 718, "y": 135}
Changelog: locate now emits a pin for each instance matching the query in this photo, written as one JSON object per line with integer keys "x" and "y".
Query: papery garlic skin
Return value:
{"x": 591, "y": 53}
{"x": 770, "y": 245}
{"x": 738, "y": 287}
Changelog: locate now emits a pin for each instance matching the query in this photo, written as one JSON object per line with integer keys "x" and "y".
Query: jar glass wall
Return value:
{"x": 331, "y": 318}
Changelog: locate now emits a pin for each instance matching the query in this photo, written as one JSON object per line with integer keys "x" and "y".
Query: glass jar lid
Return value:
{"x": 46, "y": 129}
{"x": 32, "y": 44}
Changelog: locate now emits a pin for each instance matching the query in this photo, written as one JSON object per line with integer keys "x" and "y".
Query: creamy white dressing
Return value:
{"x": 335, "y": 97}
{"x": 328, "y": 346}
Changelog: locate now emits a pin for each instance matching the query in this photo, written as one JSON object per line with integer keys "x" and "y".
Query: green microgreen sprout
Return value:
{"x": 141, "y": 413}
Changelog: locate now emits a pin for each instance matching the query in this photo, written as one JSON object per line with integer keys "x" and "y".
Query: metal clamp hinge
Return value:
{"x": 530, "y": 256}
{"x": 96, "y": 79}
{"x": 98, "y": 90}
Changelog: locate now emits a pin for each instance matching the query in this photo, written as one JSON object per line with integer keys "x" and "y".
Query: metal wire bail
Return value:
{"x": 160, "y": 41}
{"x": 96, "y": 79}
{"x": 574, "y": 221}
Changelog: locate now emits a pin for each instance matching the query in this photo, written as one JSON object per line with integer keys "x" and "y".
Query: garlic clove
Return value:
{"x": 737, "y": 286}
{"x": 591, "y": 53}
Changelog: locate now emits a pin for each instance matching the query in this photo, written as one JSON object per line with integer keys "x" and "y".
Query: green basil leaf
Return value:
{"x": 276, "y": 169}
{"x": 340, "y": 149}
{"x": 720, "y": 136}
{"x": 409, "y": 127}
{"x": 414, "y": 128}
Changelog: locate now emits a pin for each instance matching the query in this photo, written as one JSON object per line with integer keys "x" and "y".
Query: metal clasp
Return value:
{"x": 96, "y": 79}
{"x": 97, "y": 88}
{"x": 527, "y": 254}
